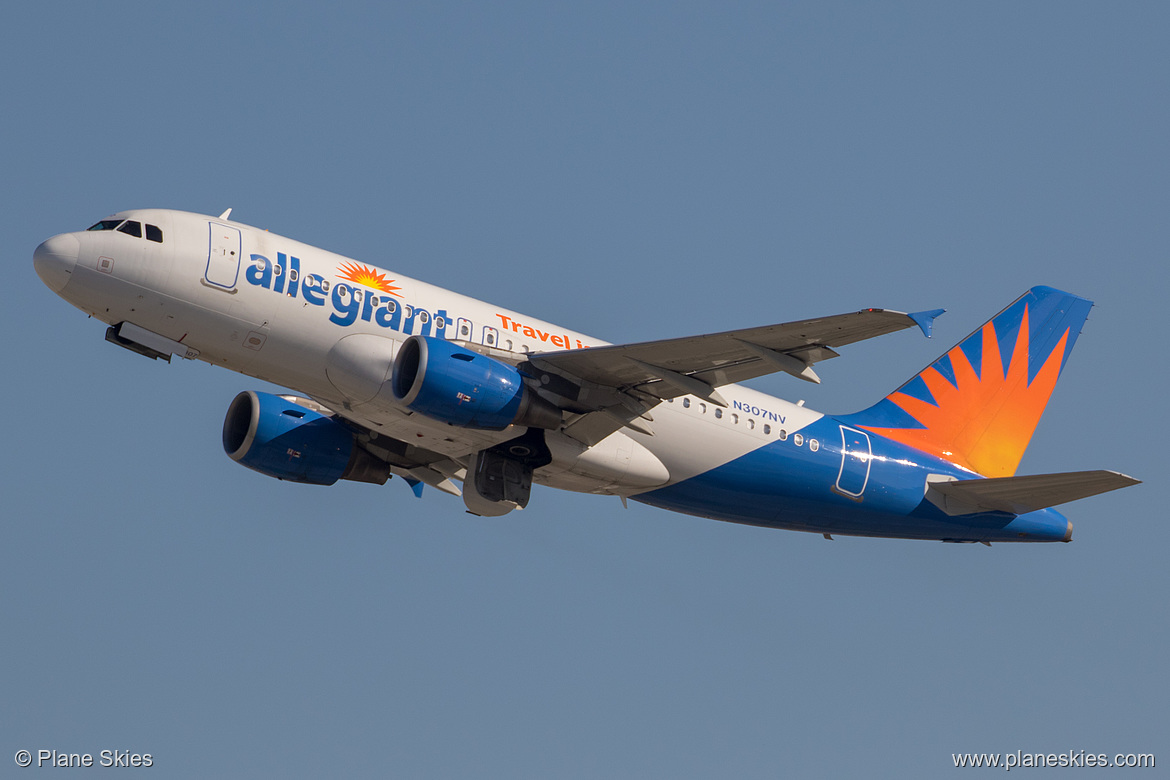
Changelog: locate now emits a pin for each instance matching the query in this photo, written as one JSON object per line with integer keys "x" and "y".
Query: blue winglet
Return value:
{"x": 925, "y": 319}
{"x": 415, "y": 485}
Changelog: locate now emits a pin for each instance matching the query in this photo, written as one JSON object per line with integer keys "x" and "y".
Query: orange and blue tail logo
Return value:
{"x": 978, "y": 405}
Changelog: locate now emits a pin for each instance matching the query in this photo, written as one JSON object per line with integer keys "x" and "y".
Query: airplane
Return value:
{"x": 391, "y": 376}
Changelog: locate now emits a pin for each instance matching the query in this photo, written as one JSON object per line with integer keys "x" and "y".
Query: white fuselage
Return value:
{"x": 291, "y": 314}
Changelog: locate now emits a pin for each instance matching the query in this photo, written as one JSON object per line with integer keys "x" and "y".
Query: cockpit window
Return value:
{"x": 131, "y": 228}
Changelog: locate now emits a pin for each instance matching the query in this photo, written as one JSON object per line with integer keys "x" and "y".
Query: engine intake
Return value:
{"x": 282, "y": 439}
{"x": 454, "y": 385}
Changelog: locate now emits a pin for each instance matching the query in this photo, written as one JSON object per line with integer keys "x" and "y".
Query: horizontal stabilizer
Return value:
{"x": 1017, "y": 495}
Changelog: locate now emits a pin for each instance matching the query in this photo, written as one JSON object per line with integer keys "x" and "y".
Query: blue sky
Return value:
{"x": 633, "y": 171}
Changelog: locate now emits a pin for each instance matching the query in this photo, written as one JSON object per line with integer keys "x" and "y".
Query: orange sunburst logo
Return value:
{"x": 984, "y": 420}
{"x": 367, "y": 277}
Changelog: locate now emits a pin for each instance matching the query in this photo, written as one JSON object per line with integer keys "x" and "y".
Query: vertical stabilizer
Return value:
{"x": 978, "y": 405}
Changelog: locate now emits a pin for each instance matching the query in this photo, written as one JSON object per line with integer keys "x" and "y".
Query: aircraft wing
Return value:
{"x": 615, "y": 386}
{"x": 698, "y": 364}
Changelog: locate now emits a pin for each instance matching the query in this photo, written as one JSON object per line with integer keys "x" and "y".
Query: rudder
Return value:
{"x": 978, "y": 405}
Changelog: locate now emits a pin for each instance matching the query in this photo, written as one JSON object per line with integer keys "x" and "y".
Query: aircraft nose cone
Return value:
{"x": 55, "y": 259}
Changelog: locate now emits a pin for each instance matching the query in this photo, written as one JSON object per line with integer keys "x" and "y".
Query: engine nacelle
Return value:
{"x": 446, "y": 382}
{"x": 282, "y": 439}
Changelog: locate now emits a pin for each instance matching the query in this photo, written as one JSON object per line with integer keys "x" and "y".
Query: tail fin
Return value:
{"x": 978, "y": 405}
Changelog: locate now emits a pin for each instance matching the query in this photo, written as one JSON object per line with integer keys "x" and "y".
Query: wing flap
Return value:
{"x": 1017, "y": 495}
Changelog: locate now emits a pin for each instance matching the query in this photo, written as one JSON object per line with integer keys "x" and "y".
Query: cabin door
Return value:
{"x": 223, "y": 256}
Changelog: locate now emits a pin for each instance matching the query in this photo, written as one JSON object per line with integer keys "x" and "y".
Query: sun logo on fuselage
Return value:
{"x": 367, "y": 277}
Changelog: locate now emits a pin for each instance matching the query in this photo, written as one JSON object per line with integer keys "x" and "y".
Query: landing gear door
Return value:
{"x": 223, "y": 256}
{"x": 856, "y": 456}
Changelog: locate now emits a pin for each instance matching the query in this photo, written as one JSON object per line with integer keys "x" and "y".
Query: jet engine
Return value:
{"x": 446, "y": 382}
{"x": 278, "y": 437}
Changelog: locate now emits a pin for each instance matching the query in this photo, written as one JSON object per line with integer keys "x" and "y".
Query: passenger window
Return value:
{"x": 391, "y": 306}
{"x": 423, "y": 317}
{"x": 702, "y": 407}
{"x": 153, "y": 233}
{"x": 798, "y": 439}
{"x": 735, "y": 418}
{"x": 131, "y": 228}
{"x": 106, "y": 224}
{"x": 718, "y": 413}
{"x": 814, "y": 445}
{"x": 767, "y": 429}
{"x": 783, "y": 434}
{"x": 751, "y": 423}
{"x": 686, "y": 403}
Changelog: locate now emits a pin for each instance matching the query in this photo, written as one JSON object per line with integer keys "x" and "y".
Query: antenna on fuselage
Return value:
{"x": 226, "y": 214}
